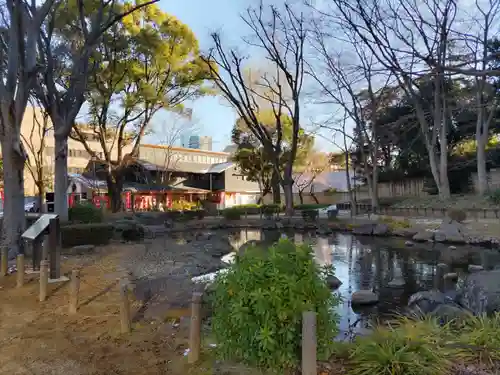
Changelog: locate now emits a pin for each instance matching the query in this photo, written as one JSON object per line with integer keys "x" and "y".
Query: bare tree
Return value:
{"x": 65, "y": 52}
{"x": 350, "y": 79}
{"x": 306, "y": 174}
{"x": 281, "y": 36}
{"x": 486, "y": 100}
{"x": 35, "y": 144}
{"x": 169, "y": 136}
{"x": 21, "y": 24}
{"x": 411, "y": 39}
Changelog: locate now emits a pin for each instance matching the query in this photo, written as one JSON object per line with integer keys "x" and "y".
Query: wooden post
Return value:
{"x": 124, "y": 309}
{"x": 55, "y": 250}
{"x": 44, "y": 279}
{"x": 309, "y": 343}
{"x": 20, "y": 271}
{"x": 74, "y": 288}
{"x": 195, "y": 329}
{"x": 38, "y": 251}
{"x": 4, "y": 262}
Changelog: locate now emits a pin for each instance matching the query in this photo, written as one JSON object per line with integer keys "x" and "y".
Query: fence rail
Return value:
{"x": 438, "y": 212}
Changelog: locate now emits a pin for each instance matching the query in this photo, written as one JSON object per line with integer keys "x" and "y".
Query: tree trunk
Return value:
{"x": 41, "y": 192}
{"x": 275, "y": 184}
{"x": 61, "y": 178}
{"x": 14, "y": 219}
{"x": 301, "y": 198}
{"x": 115, "y": 188}
{"x": 481, "y": 141}
{"x": 314, "y": 197}
{"x": 287, "y": 189}
{"x": 444, "y": 187}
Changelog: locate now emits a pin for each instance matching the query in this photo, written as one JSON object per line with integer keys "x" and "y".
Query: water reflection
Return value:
{"x": 386, "y": 267}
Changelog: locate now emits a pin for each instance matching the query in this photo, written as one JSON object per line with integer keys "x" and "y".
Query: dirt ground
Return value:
{"x": 41, "y": 338}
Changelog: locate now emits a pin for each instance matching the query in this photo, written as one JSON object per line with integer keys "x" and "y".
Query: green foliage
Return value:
{"x": 457, "y": 215}
{"x": 258, "y": 306}
{"x": 395, "y": 223}
{"x": 478, "y": 340}
{"x": 85, "y": 213}
{"x": 494, "y": 197}
{"x": 232, "y": 213}
{"x": 86, "y": 234}
{"x": 310, "y": 206}
{"x": 270, "y": 210}
{"x": 183, "y": 205}
{"x": 406, "y": 348}
{"x": 310, "y": 215}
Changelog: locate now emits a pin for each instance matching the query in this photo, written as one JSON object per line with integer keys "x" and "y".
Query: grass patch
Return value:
{"x": 395, "y": 223}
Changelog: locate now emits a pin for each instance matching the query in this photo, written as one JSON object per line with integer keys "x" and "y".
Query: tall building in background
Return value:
{"x": 206, "y": 143}
{"x": 194, "y": 141}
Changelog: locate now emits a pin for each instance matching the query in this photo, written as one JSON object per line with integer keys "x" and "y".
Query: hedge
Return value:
{"x": 86, "y": 234}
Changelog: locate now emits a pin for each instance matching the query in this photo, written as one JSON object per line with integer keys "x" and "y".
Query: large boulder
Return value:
{"x": 381, "y": 229}
{"x": 128, "y": 230}
{"x": 364, "y": 229}
{"x": 450, "y": 231}
{"x": 364, "y": 298}
{"x": 424, "y": 236}
{"x": 481, "y": 292}
{"x": 438, "y": 305}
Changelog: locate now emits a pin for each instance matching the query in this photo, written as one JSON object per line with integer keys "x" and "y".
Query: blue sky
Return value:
{"x": 214, "y": 117}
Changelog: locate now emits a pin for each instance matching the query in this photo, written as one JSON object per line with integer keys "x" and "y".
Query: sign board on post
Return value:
{"x": 34, "y": 233}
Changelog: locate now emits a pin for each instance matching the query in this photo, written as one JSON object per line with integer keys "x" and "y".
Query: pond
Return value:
{"x": 366, "y": 263}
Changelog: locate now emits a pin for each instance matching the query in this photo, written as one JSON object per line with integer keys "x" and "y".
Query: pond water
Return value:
{"x": 365, "y": 263}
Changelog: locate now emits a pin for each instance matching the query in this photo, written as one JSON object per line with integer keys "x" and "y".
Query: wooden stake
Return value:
{"x": 44, "y": 279}
{"x": 74, "y": 288}
{"x": 195, "y": 329}
{"x": 309, "y": 343}
{"x": 124, "y": 309}
{"x": 4, "y": 262}
{"x": 20, "y": 271}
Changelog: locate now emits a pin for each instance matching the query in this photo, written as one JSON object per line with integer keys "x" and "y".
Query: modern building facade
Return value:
{"x": 39, "y": 143}
{"x": 206, "y": 143}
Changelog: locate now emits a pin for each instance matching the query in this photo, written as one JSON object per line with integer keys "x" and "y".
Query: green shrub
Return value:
{"x": 270, "y": 210}
{"x": 310, "y": 215}
{"x": 85, "y": 213}
{"x": 232, "y": 213}
{"x": 494, "y": 196}
{"x": 310, "y": 206}
{"x": 457, "y": 215}
{"x": 258, "y": 305}
{"x": 86, "y": 234}
{"x": 407, "y": 348}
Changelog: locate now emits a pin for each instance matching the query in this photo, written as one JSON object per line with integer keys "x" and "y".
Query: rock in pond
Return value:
{"x": 364, "y": 298}
{"x": 481, "y": 292}
{"x": 475, "y": 268}
{"x": 381, "y": 230}
{"x": 364, "y": 230}
{"x": 409, "y": 244}
{"x": 333, "y": 282}
{"x": 451, "y": 276}
{"x": 438, "y": 305}
{"x": 397, "y": 282}
{"x": 424, "y": 236}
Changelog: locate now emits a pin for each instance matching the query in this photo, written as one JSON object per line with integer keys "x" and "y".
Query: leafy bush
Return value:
{"x": 457, "y": 215}
{"x": 258, "y": 305}
{"x": 86, "y": 234}
{"x": 183, "y": 205}
{"x": 494, "y": 197}
{"x": 85, "y": 213}
{"x": 407, "y": 348}
{"x": 310, "y": 215}
{"x": 269, "y": 210}
{"x": 232, "y": 213}
{"x": 310, "y": 206}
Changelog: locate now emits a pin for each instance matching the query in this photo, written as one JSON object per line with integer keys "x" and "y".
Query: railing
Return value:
{"x": 46, "y": 225}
